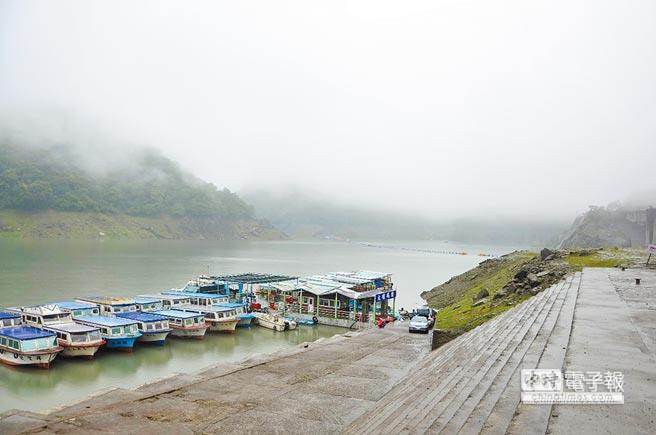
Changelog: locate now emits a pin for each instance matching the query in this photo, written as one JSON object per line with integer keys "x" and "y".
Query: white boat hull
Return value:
{"x": 197, "y": 333}
{"x": 223, "y": 325}
{"x": 270, "y": 322}
{"x": 87, "y": 350}
{"x": 155, "y": 337}
{"x": 41, "y": 360}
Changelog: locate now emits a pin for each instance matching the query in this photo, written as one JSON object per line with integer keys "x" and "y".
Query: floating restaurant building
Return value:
{"x": 337, "y": 298}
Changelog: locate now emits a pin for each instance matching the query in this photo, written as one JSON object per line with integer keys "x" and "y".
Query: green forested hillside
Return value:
{"x": 37, "y": 179}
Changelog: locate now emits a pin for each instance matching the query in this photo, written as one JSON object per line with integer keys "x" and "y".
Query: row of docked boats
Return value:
{"x": 35, "y": 335}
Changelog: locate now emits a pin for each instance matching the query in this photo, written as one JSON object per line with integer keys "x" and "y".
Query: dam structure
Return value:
{"x": 389, "y": 381}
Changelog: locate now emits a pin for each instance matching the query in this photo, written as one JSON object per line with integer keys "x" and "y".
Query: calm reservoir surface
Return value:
{"x": 33, "y": 272}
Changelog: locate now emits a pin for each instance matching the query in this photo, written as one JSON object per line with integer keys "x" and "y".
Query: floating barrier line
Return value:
{"x": 423, "y": 250}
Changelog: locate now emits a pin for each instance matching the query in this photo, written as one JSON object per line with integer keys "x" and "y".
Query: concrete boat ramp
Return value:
{"x": 387, "y": 381}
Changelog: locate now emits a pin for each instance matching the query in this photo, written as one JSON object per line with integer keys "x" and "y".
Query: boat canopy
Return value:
{"x": 45, "y": 310}
{"x": 25, "y": 333}
{"x": 206, "y": 308}
{"x": 142, "y": 317}
{"x": 106, "y": 320}
{"x": 6, "y": 315}
{"x": 108, "y": 300}
{"x": 146, "y": 299}
{"x": 171, "y": 295}
{"x": 251, "y": 278}
{"x": 232, "y": 304}
{"x": 71, "y": 327}
{"x": 75, "y": 305}
{"x": 177, "y": 314}
{"x": 195, "y": 295}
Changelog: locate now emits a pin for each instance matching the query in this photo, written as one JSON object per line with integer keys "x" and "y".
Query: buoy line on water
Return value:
{"x": 424, "y": 250}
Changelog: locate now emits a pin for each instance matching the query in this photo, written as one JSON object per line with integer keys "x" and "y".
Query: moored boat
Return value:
{"x": 77, "y": 308}
{"x": 185, "y": 324}
{"x": 75, "y": 339}
{"x": 8, "y": 319}
{"x": 290, "y": 323}
{"x": 219, "y": 319}
{"x": 201, "y": 299}
{"x": 169, "y": 301}
{"x": 245, "y": 318}
{"x": 154, "y": 328}
{"x": 119, "y": 333}
{"x": 271, "y": 321}
{"x": 28, "y": 346}
{"x": 110, "y": 306}
{"x": 148, "y": 304}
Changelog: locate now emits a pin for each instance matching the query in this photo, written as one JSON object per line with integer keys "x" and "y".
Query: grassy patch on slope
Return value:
{"x": 462, "y": 316}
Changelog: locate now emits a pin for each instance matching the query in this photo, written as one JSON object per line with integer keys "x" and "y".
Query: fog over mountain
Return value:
{"x": 452, "y": 110}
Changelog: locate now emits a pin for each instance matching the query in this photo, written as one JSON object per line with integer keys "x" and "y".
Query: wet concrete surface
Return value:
{"x": 320, "y": 388}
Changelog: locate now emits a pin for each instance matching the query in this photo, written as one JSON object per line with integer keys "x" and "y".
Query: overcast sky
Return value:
{"x": 453, "y": 108}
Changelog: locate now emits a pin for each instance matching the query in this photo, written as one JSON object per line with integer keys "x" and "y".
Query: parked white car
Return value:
{"x": 419, "y": 324}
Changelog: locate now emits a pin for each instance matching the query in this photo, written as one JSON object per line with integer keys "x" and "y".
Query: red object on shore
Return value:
{"x": 382, "y": 321}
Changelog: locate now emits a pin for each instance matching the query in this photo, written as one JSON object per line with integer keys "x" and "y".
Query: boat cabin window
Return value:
{"x": 8, "y": 322}
{"x": 116, "y": 331}
{"x": 140, "y": 326}
{"x": 104, "y": 330}
{"x": 39, "y": 343}
{"x": 79, "y": 338}
{"x": 77, "y": 312}
{"x": 13, "y": 344}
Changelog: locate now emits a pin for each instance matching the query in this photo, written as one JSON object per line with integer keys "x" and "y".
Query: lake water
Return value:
{"x": 33, "y": 272}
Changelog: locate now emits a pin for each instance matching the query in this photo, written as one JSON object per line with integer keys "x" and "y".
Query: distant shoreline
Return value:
{"x": 52, "y": 224}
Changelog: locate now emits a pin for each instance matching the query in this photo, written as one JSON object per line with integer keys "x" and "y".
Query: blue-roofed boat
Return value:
{"x": 219, "y": 319}
{"x": 76, "y": 340}
{"x": 154, "y": 328}
{"x": 201, "y": 299}
{"x": 148, "y": 303}
{"x": 28, "y": 346}
{"x": 119, "y": 333}
{"x": 201, "y": 285}
{"x": 245, "y": 318}
{"x": 77, "y": 308}
{"x": 185, "y": 324}
{"x": 8, "y": 319}
{"x": 110, "y": 306}
{"x": 169, "y": 301}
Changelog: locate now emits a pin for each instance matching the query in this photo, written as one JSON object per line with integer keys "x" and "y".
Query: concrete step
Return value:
{"x": 534, "y": 419}
{"x": 416, "y": 385}
{"x": 417, "y": 380}
{"x": 506, "y": 385}
{"x": 422, "y": 378}
{"x": 415, "y": 388}
{"x": 471, "y": 389}
{"x": 452, "y": 367}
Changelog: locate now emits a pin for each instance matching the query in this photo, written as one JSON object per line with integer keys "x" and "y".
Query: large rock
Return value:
{"x": 545, "y": 253}
{"x": 533, "y": 279}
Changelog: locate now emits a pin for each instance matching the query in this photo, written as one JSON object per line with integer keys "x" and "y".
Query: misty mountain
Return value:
{"x": 33, "y": 179}
{"x": 59, "y": 192}
{"x": 607, "y": 226}
{"x": 302, "y": 215}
